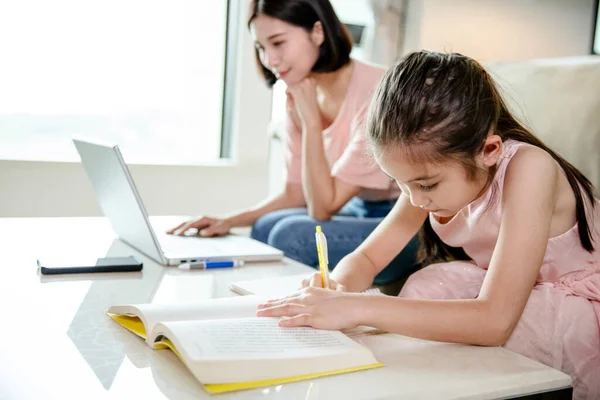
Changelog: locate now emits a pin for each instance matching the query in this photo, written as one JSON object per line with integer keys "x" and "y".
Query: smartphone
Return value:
{"x": 81, "y": 266}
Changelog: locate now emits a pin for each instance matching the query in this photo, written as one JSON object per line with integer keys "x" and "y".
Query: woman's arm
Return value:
{"x": 357, "y": 270}
{"x": 207, "y": 226}
{"x": 324, "y": 194}
{"x": 291, "y": 197}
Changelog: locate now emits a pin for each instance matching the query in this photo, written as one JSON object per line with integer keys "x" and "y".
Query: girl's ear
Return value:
{"x": 317, "y": 35}
{"x": 492, "y": 150}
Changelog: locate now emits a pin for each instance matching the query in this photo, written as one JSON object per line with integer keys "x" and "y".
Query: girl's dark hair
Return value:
{"x": 335, "y": 50}
{"x": 441, "y": 107}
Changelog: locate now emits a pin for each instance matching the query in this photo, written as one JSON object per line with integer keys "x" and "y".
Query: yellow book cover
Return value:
{"x": 227, "y": 348}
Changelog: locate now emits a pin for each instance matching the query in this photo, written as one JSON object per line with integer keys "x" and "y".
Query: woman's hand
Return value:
{"x": 315, "y": 280}
{"x": 319, "y": 308}
{"x": 206, "y": 227}
{"x": 303, "y": 96}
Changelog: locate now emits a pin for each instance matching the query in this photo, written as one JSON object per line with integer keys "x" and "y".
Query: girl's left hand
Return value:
{"x": 304, "y": 95}
{"x": 311, "y": 306}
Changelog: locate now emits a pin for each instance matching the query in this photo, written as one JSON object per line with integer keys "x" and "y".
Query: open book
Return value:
{"x": 227, "y": 348}
{"x": 278, "y": 287}
{"x": 273, "y": 288}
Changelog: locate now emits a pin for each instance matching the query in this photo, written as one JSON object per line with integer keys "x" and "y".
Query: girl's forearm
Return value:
{"x": 355, "y": 272}
{"x": 458, "y": 321}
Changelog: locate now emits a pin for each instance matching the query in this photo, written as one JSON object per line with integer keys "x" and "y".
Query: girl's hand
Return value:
{"x": 319, "y": 308}
{"x": 206, "y": 226}
{"x": 304, "y": 99}
{"x": 315, "y": 281}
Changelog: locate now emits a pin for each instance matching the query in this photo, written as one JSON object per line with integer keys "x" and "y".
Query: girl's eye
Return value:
{"x": 428, "y": 188}
{"x": 277, "y": 44}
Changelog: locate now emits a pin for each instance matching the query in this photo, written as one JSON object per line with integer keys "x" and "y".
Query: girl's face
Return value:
{"x": 442, "y": 189}
{"x": 288, "y": 51}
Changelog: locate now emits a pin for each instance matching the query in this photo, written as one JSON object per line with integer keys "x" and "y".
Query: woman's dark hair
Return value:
{"x": 441, "y": 107}
{"x": 335, "y": 50}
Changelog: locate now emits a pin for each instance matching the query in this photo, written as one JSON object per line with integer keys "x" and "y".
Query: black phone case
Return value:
{"x": 94, "y": 268}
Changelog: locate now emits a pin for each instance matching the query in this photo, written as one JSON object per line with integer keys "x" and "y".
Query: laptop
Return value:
{"x": 122, "y": 205}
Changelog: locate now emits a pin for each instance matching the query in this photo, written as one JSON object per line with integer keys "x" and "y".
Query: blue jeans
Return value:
{"x": 293, "y": 231}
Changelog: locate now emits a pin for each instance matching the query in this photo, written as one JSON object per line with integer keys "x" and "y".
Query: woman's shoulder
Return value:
{"x": 369, "y": 70}
{"x": 366, "y": 74}
{"x": 365, "y": 78}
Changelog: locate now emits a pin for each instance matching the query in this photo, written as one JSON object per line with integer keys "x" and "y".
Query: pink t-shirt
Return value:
{"x": 344, "y": 140}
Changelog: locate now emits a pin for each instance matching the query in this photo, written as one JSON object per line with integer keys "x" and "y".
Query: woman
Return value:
{"x": 330, "y": 179}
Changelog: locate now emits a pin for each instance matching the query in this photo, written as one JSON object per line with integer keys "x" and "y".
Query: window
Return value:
{"x": 145, "y": 74}
{"x": 356, "y": 14}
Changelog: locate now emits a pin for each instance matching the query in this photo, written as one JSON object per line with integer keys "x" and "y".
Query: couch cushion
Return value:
{"x": 559, "y": 99}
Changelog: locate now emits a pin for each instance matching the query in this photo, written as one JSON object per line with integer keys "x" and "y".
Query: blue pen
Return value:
{"x": 211, "y": 264}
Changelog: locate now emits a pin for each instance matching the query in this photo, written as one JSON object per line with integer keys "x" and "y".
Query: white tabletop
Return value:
{"x": 58, "y": 343}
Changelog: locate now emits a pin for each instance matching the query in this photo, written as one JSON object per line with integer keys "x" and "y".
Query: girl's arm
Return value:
{"x": 358, "y": 269}
{"x": 528, "y": 204}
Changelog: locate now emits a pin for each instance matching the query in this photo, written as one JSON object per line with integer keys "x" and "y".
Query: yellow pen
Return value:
{"x": 322, "y": 253}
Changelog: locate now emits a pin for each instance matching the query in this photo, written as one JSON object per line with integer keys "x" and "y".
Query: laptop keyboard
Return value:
{"x": 194, "y": 246}
{"x": 187, "y": 244}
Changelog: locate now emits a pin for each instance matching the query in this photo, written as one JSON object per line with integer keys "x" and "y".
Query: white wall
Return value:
{"x": 501, "y": 29}
{"x": 36, "y": 189}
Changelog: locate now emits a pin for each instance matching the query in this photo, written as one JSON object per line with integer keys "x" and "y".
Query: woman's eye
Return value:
{"x": 428, "y": 188}
{"x": 277, "y": 44}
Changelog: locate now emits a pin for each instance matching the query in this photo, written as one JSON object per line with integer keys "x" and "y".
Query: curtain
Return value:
{"x": 382, "y": 43}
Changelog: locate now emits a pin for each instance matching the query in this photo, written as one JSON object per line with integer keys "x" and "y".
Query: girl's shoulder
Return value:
{"x": 533, "y": 176}
{"x": 527, "y": 159}
{"x": 520, "y": 167}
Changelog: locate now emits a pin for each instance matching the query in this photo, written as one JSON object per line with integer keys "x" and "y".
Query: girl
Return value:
{"x": 513, "y": 226}
{"x": 303, "y": 43}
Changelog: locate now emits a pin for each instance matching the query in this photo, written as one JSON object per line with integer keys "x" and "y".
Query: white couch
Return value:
{"x": 559, "y": 100}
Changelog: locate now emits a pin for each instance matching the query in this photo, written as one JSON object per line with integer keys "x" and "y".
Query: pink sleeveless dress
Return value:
{"x": 560, "y": 325}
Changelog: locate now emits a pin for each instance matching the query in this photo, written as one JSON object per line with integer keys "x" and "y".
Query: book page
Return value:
{"x": 247, "y": 338}
{"x": 257, "y": 349}
{"x": 270, "y": 288}
{"x": 273, "y": 288}
{"x": 152, "y": 314}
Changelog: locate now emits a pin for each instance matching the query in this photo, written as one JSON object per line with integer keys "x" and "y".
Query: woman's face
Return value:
{"x": 287, "y": 50}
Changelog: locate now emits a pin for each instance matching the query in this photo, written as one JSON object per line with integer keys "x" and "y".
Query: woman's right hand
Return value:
{"x": 205, "y": 226}
{"x": 315, "y": 281}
